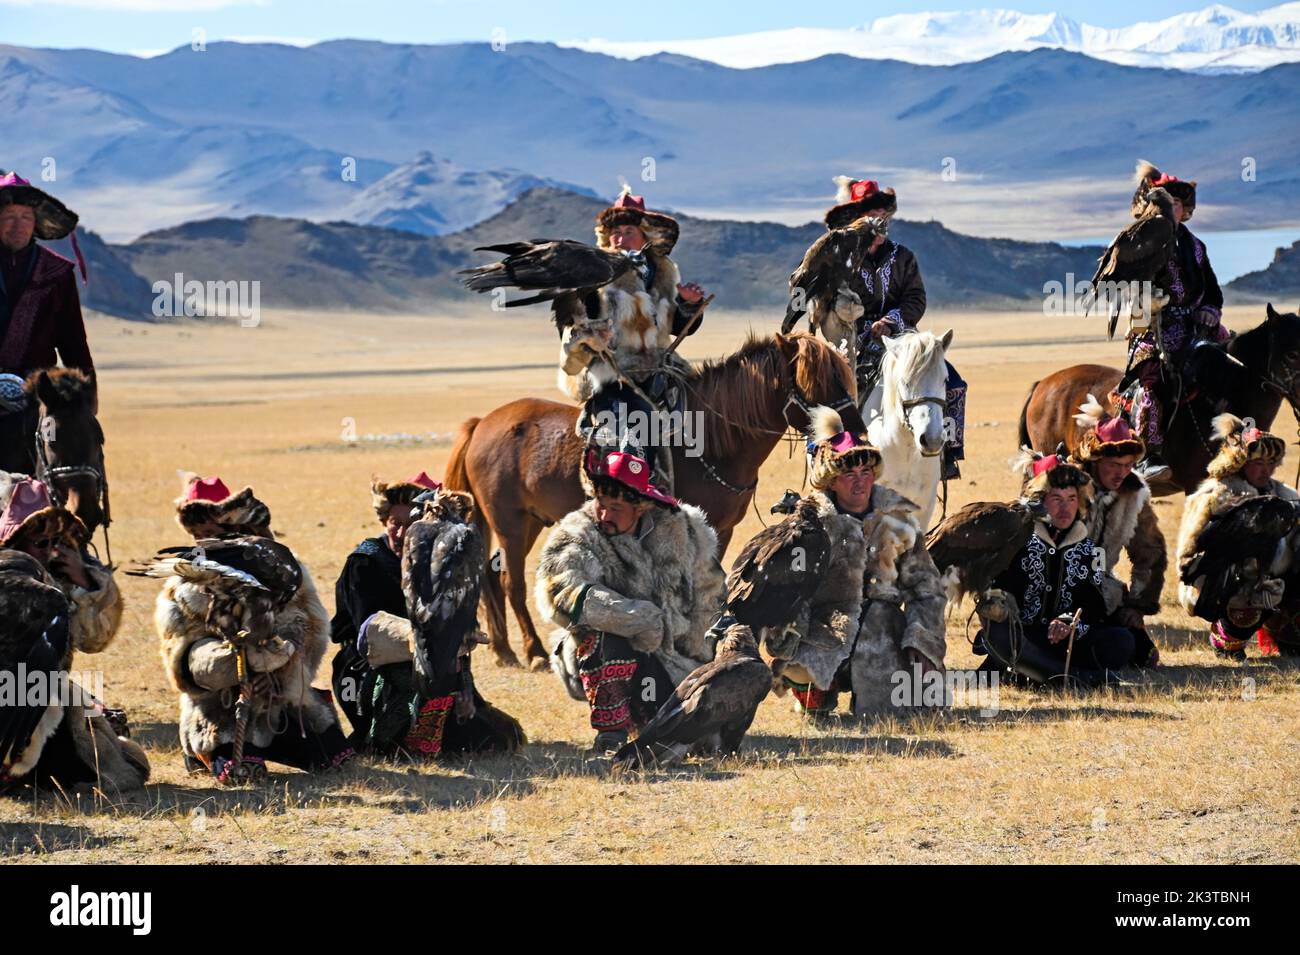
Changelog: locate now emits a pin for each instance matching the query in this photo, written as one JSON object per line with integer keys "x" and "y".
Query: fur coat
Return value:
{"x": 73, "y": 745}
{"x": 636, "y": 323}
{"x": 1123, "y": 520}
{"x": 661, "y": 586}
{"x": 882, "y": 596}
{"x": 96, "y": 613}
{"x": 202, "y": 667}
{"x": 1214, "y": 496}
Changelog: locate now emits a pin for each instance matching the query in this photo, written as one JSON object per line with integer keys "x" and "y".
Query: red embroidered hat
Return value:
{"x": 856, "y": 198}
{"x": 423, "y": 480}
{"x": 661, "y": 231}
{"x": 1044, "y": 472}
{"x": 1103, "y": 436}
{"x": 25, "y": 502}
{"x": 628, "y": 470}
{"x": 206, "y": 489}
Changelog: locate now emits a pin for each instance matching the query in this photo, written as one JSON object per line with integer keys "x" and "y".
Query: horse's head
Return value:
{"x": 914, "y": 387}
{"x": 69, "y": 442}
{"x": 1283, "y": 371}
{"x": 818, "y": 375}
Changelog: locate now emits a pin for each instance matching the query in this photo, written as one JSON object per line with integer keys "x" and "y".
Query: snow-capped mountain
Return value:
{"x": 1215, "y": 39}
{"x": 435, "y": 196}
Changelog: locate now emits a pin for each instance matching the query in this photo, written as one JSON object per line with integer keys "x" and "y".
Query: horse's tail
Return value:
{"x": 456, "y": 478}
{"x": 1024, "y": 417}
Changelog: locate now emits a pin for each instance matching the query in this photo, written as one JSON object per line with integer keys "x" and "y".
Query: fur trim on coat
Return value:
{"x": 672, "y": 568}
{"x": 201, "y": 667}
{"x": 96, "y": 614}
{"x": 883, "y": 556}
{"x": 635, "y": 324}
{"x": 1124, "y": 520}
{"x": 1214, "y": 496}
{"x": 827, "y": 626}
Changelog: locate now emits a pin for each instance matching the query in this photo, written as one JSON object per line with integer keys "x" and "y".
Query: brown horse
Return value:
{"x": 58, "y": 439}
{"x": 1266, "y": 370}
{"x": 521, "y": 461}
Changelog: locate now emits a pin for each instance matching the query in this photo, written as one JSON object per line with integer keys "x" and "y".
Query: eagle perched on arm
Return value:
{"x": 443, "y": 560}
{"x": 972, "y": 547}
{"x": 824, "y": 272}
{"x": 247, "y": 579}
{"x": 779, "y": 570}
{"x": 34, "y": 639}
{"x": 1141, "y": 252}
{"x": 563, "y": 272}
{"x": 1237, "y": 549}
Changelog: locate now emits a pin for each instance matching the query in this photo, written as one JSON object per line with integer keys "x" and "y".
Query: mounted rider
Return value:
{"x": 618, "y": 361}
{"x": 1192, "y": 313}
{"x": 40, "y": 311}
{"x": 881, "y": 295}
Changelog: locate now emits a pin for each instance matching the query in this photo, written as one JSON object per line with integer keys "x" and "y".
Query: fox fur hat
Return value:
{"x": 208, "y": 501}
{"x": 384, "y": 496}
{"x": 1041, "y": 473}
{"x": 1102, "y": 435}
{"x": 832, "y": 451}
{"x": 1147, "y": 177}
{"x": 1239, "y": 443}
{"x": 855, "y": 198}
{"x": 660, "y": 230}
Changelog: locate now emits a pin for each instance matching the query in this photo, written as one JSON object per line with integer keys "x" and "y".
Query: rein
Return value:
{"x": 52, "y": 476}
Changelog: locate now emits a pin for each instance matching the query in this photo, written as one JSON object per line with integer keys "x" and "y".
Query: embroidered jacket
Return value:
{"x": 1050, "y": 579}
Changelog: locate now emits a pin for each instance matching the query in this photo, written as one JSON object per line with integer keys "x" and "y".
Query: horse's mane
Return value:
{"x": 739, "y": 387}
{"x": 72, "y": 385}
{"x": 908, "y": 361}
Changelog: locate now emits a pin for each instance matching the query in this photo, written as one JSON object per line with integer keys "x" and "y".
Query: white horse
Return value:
{"x": 905, "y": 416}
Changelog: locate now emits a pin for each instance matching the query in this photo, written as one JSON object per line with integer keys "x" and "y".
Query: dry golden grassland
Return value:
{"x": 1196, "y": 765}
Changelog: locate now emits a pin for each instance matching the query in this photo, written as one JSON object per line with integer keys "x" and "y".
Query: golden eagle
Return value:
{"x": 710, "y": 711}
{"x": 1236, "y": 549}
{"x": 443, "y": 560}
{"x": 779, "y": 570}
{"x": 824, "y": 271}
{"x": 1141, "y": 252}
{"x": 247, "y": 580}
{"x": 972, "y": 547}
{"x": 34, "y": 640}
{"x": 561, "y": 271}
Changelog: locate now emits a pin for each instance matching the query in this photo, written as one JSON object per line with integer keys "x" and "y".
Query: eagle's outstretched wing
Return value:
{"x": 972, "y": 547}
{"x": 34, "y": 638}
{"x": 1236, "y": 548}
{"x": 560, "y": 271}
{"x": 256, "y": 563}
{"x": 443, "y": 559}
{"x": 779, "y": 570}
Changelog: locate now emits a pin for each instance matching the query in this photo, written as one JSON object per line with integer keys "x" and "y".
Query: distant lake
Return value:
{"x": 1231, "y": 253}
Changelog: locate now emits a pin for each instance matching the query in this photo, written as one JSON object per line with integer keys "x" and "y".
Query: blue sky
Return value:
{"x": 137, "y": 25}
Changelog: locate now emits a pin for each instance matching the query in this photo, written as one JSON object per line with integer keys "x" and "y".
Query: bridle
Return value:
{"x": 54, "y": 477}
{"x": 910, "y": 403}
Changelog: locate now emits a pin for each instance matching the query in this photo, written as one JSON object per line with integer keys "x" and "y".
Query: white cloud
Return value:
{"x": 139, "y": 6}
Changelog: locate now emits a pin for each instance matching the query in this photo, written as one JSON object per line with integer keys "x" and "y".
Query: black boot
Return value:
{"x": 1153, "y": 468}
